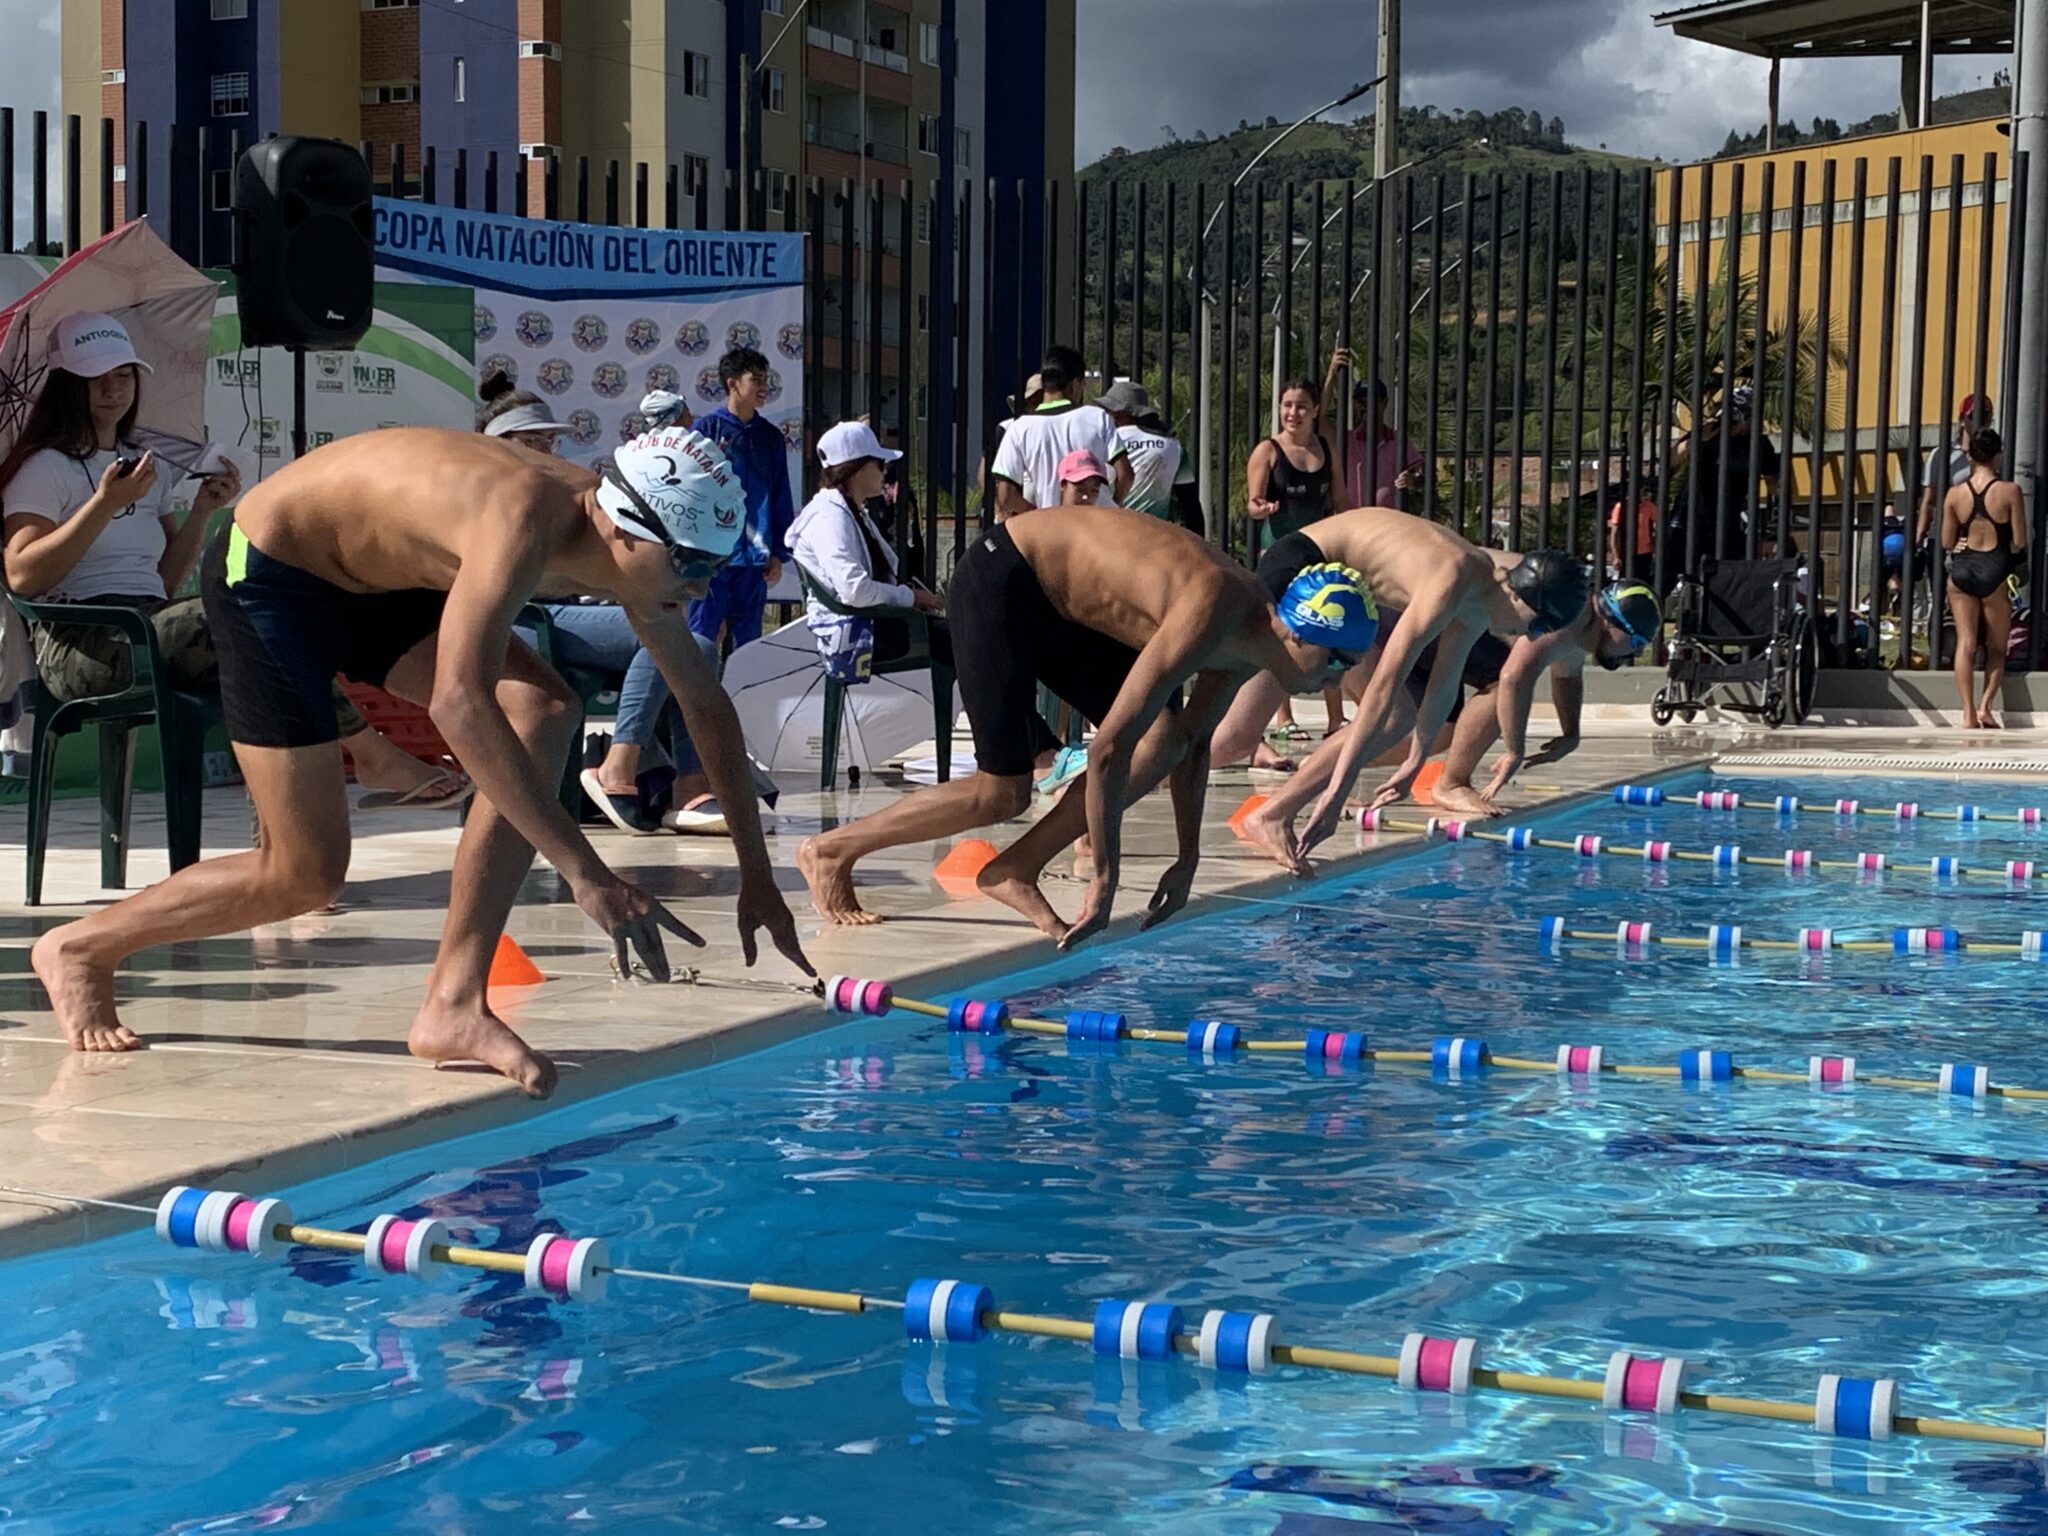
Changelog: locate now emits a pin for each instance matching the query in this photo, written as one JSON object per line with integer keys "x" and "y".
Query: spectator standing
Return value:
{"x": 1950, "y": 466}
{"x": 1984, "y": 528}
{"x": 1726, "y": 438}
{"x": 1162, "y": 475}
{"x": 1381, "y": 467}
{"x": 1026, "y": 467}
{"x": 733, "y": 607}
{"x": 88, "y": 518}
{"x": 1287, "y": 486}
{"x": 1082, "y": 479}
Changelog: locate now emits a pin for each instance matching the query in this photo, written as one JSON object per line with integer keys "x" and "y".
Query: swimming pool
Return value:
{"x": 1766, "y": 1233}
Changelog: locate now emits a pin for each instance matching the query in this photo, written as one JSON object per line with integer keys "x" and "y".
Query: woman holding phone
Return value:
{"x": 88, "y": 519}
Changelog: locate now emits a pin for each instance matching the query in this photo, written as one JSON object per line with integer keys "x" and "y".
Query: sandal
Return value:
{"x": 623, "y": 811}
{"x": 1288, "y": 732}
{"x": 444, "y": 791}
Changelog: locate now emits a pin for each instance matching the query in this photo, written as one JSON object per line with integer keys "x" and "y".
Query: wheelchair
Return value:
{"x": 1741, "y": 625}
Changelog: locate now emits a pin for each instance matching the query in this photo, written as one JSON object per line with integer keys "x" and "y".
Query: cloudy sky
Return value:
{"x": 1601, "y": 65}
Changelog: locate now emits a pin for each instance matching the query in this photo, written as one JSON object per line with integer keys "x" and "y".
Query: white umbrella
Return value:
{"x": 777, "y": 685}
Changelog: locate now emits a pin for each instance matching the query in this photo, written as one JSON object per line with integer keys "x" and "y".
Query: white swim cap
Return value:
{"x": 682, "y": 479}
{"x": 663, "y": 407}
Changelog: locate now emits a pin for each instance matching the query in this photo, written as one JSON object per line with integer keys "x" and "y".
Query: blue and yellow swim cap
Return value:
{"x": 1328, "y": 605}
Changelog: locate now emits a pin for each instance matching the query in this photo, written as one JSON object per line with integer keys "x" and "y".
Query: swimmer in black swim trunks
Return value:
{"x": 1113, "y": 611}
{"x": 400, "y": 558}
{"x": 1984, "y": 525}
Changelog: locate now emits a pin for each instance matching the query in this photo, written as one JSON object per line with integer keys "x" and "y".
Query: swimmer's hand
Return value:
{"x": 1094, "y": 914}
{"x": 762, "y": 906}
{"x": 1320, "y": 829}
{"x": 1395, "y": 790}
{"x": 1504, "y": 771}
{"x": 1172, "y": 894}
{"x": 633, "y": 920}
{"x": 1552, "y": 750}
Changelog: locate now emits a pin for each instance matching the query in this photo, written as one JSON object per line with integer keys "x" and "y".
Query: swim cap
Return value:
{"x": 1328, "y": 605}
{"x": 1894, "y": 549}
{"x": 663, "y": 408}
{"x": 685, "y": 482}
{"x": 1551, "y": 582}
{"x": 1633, "y": 609}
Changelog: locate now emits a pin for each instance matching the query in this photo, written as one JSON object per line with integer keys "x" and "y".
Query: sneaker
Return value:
{"x": 702, "y": 817}
{"x": 1068, "y": 766}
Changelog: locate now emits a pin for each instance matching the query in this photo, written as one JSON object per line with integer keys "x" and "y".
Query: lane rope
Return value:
{"x": 1899, "y": 812}
{"x": 952, "y": 1311}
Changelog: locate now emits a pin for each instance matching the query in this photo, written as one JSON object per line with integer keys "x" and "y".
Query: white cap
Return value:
{"x": 523, "y": 418}
{"x": 852, "y": 440}
{"x": 686, "y": 481}
{"x": 90, "y": 344}
{"x": 663, "y": 407}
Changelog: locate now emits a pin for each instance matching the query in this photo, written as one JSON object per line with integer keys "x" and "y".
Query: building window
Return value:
{"x": 461, "y": 78}
{"x": 772, "y": 96}
{"x": 928, "y": 42}
{"x": 221, "y": 190}
{"x": 696, "y": 175}
{"x": 963, "y": 149}
{"x": 778, "y": 192}
{"x": 540, "y": 50}
{"x": 924, "y": 222}
{"x": 113, "y": 77}
{"x": 924, "y": 312}
{"x": 697, "y": 74}
{"x": 771, "y": 7}
{"x": 231, "y": 94}
{"x": 389, "y": 5}
{"x": 230, "y": 10}
{"x": 390, "y": 95}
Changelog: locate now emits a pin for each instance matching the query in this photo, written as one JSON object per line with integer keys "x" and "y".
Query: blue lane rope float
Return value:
{"x": 1945, "y": 869}
{"x": 1724, "y": 941}
{"x": 953, "y": 1311}
{"x": 1790, "y": 805}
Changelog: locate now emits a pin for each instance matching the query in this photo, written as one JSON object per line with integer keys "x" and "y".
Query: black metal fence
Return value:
{"x": 1567, "y": 350}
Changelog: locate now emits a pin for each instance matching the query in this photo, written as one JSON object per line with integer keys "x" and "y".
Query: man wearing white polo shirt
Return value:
{"x": 1026, "y": 468}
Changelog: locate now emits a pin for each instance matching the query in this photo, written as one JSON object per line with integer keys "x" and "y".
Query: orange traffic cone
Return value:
{"x": 1425, "y": 781}
{"x": 511, "y": 966}
{"x": 1237, "y": 817}
{"x": 956, "y": 871}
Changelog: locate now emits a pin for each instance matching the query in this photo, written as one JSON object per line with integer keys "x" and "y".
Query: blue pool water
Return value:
{"x": 1767, "y": 1233}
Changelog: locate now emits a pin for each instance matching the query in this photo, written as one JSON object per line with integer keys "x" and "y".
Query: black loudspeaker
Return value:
{"x": 307, "y": 268}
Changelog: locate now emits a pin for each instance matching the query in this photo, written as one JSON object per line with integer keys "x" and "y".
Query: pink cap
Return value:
{"x": 1081, "y": 465}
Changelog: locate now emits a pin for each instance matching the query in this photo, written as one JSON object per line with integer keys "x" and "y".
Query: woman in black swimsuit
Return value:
{"x": 1984, "y": 527}
{"x": 1287, "y": 484}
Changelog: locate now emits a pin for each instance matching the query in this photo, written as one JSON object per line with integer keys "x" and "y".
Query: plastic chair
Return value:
{"x": 918, "y": 657}
{"x": 592, "y": 689}
{"x": 181, "y": 719}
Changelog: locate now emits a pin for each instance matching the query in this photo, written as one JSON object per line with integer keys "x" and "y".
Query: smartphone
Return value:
{"x": 125, "y": 466}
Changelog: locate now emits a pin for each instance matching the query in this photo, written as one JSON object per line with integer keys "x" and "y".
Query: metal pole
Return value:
{"x": 747, "y": 131}
{"x": 1386, "y": 146}
{"x": 1771, "y": 112}
{"x": 2030, "y": 138}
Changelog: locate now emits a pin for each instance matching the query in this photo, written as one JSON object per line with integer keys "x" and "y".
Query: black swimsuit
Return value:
{"x": 1979, "y": 573}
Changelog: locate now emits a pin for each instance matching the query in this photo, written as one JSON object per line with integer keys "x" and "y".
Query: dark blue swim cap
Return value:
{"x": 1328, "y": 605}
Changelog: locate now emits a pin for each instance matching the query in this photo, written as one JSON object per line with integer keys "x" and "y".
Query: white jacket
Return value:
{"x": 826, "y": 540}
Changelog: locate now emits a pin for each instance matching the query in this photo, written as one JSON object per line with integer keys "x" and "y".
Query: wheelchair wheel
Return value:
{"x": 1773, "y": 710}
{"x": 1660, "y": 709}
{"x": 1803, "y": 669}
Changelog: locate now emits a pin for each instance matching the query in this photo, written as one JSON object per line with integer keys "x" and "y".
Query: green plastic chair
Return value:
{"x": 918, "y": 658}
{"x": 181, "y": 719}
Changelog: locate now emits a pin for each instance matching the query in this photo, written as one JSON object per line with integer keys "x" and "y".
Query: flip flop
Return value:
{"x": 1289, "y": 732}
{"x": 444, "y": 791}
{"x": 701, "y": 817}
{"x": 623, "y": 811}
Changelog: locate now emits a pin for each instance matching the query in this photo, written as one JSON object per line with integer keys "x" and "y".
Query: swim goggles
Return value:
{"x": 688, "y": 564}
{"x": 1610, "y": 610}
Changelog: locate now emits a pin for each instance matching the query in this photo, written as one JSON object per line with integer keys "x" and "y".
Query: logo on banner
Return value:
{"x": 330, "y": 366}
{"x": 237, "y": 371}
{"x": 375, "y": 379}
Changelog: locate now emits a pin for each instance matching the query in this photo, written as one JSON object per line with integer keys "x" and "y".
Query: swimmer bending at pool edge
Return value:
{"x": 401, "y": 558}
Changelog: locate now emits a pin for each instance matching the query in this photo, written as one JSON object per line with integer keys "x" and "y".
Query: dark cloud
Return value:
{"x": 1601, "y": 65}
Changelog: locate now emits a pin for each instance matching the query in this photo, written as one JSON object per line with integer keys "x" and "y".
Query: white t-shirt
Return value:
{"x": 122, "y": 561}
{"x": 1034, "y": 444}
{"x": 1158, "y": 464}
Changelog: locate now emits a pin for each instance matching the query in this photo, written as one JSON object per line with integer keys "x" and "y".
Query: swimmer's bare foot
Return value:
{"x": 443, "y": 1032}
{"x": 1464, "y": 799}
{"x": 1003, "y": 881}
{"x": 1274, "y": 835}
{"x": 1265, "y": 757}
{"x": 831, "y": 883}
{"x": 81, "y": 995}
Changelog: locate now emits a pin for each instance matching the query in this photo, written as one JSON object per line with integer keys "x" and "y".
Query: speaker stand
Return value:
{"x": 298, "y": 402}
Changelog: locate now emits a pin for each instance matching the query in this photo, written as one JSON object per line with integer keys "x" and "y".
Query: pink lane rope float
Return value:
{"x": 952, "y": 1311}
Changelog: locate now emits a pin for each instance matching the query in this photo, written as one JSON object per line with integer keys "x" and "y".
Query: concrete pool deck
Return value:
{"x": 279, "y": 1055}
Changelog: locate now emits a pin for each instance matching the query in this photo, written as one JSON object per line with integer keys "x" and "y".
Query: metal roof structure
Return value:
{"x": 1840, "y": 29}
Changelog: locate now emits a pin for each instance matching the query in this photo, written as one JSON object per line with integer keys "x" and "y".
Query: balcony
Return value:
{"x": 847, "y": 48}
{"x": 847, "y": 143}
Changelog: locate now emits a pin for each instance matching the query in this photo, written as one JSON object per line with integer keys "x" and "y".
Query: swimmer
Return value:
{"x": 401, "y": 558}
{"x": 1432, "y": 586}
{"x": 1112, "y": 611}
{"x": 1622, "y": 619}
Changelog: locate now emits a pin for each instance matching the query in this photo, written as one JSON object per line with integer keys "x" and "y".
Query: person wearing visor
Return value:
{"x": 1113, "y": 611}
{"x": 1432, "y": 586}
{"x": 1623, "y": 618}
{"x": 589, "y": 635}
{"x": 400, "y": 558}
